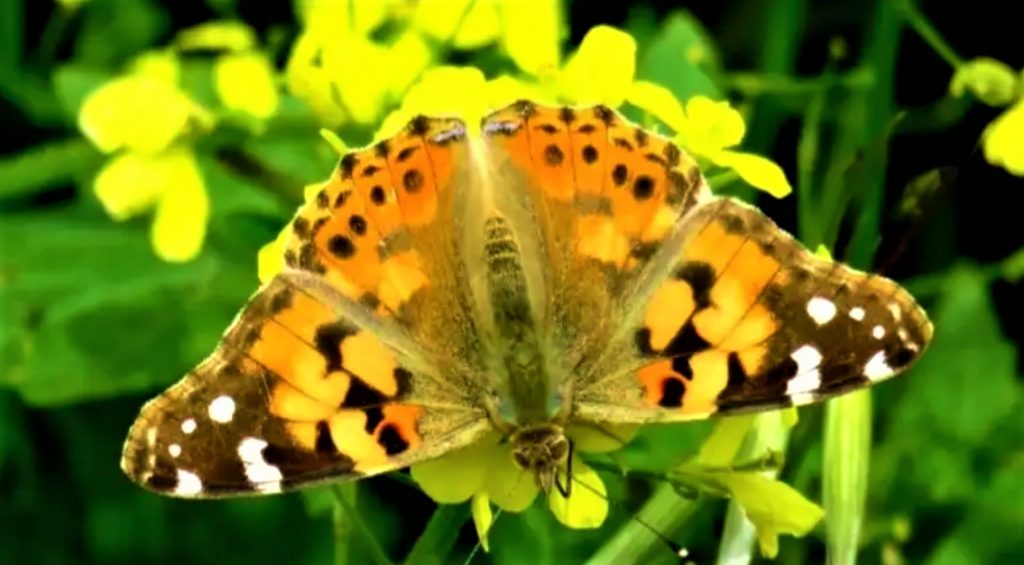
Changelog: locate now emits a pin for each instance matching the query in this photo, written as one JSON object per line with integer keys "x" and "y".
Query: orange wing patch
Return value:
{"x": 628, "y": 187}
{"x": 750, "y": 320}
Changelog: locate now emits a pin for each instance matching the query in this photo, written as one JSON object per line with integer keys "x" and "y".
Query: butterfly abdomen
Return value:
{"x": 521, "y": 359}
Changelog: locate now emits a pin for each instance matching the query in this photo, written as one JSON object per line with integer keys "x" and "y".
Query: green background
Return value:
{"x": 92, "y": 324}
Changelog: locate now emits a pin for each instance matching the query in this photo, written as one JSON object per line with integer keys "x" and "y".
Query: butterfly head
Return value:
{"x": 542, "y": 450}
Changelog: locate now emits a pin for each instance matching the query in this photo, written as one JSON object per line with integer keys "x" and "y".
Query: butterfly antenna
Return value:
{"x": 480, "y": 539}
{"x": 677, "y": 549}
{"x": 917, "y": 206}
{"x": 482, "y": 536}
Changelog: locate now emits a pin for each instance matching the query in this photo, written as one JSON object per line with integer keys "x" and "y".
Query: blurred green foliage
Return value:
{"x": 114, "y": 284}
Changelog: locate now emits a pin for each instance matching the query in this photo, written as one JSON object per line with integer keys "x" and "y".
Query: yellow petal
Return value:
{"x": 610, "y": 437}
{"x": 712, "y": 126}
{"x": 508, "y": 486}
{"x": 394, "y": 123}
{"x": 531, "y": 33}
{"x": 409, "y": 57}
{"x": 217, "y": 35}
{"x": 129, "y": 184}
{"x": 1002, "y": 140}
{"x": 327, "y": 18}
{"x": 482, "y": 518}
{"x": 773, "y": 507}
{"x": 587, "y": 505}
{"x": 135, "y": 112}
{"x": 358, "y": 71}
{"x": 161, "y": 65}
{"x": 245, "y": 82}
{"x": 757, "y": 171}
{"x": 602, "y": 69}
{"x": 270, "y": 259}
{"x": 441, "y": 19}
{"x": 179, "y": 227}
{"x": 992, "y": 82}
{"x": 453, "y": 91}
{"x": 505, "y": 90}
{"x": 659, "y": 102}
{"x": 455, "y": 477}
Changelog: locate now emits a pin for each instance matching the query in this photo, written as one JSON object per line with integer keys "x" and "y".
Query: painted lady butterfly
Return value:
{"x": 562, "y": 266}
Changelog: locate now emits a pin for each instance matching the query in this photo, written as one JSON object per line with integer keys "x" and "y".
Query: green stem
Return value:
{"x": 924, "y": 28}
{"x": 437, "y": 540}
{"x": 344, "y": 508}
{"x": 755, "y": 84}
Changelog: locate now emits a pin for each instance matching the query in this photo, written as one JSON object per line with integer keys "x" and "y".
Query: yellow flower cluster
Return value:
{"x": 144, "y": 119}
{"x": 138, "y": 118}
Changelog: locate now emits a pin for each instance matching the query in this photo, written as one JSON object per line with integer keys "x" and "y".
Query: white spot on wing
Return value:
{"x": 877, "y": 369}
{"x": 151, "y": 437}
{"x": 895, "y": 310}
{"x": 264, "y": 476}
{"x": 857, "y": 313}
{"x": 821, "y": 310}
{"x": 188, "y": 426}
{"x": 188, "y": 484}
{"x": 222, "y": 409}
{"x": 174, "y": 449}
{"x": 808, "y": 377}
{"x": 878, "y": 332}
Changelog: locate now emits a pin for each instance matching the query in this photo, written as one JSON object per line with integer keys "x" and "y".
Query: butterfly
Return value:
{"x": 553, "y": 266}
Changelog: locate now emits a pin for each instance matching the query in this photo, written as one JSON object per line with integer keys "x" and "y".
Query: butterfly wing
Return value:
{"x": 354, "y": 361}
{"x": 672, "y": 304}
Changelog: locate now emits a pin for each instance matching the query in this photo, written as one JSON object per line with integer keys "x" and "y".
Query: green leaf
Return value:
{"x": 970, "y": 355}
{"x": 682, "y": 58}
{"x": 93, "y": 313}
{"x": 47, "y": 165}
{"x": 72, "y": 83}
{"x": 230, "y": 195}
{"x": 115, "y": 30}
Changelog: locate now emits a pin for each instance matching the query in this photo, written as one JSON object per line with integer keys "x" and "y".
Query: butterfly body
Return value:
{"x": 559, "y": 267}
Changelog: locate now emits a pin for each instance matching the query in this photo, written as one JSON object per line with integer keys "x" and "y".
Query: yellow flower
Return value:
{"x": 992, "y": 82}
{"x": 245, "y": 82}
{"x": 531, "y": 33}
{"x": 137, "y": 112}
{"x": 132, "y": 183}
{"x": 599, "y": 72}
{"x": 602, "y": 69}
{"x": 438, "y": 19}
{"x": 443, "y": 91}
{"x": 160, "y": 64}
{"x": 486, "y": 473}
{"x": 1002, "y": 140}
{"x": 341, "y": 72}
{"x": 708, "y": 129}
{"x": 217, "y": 35}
